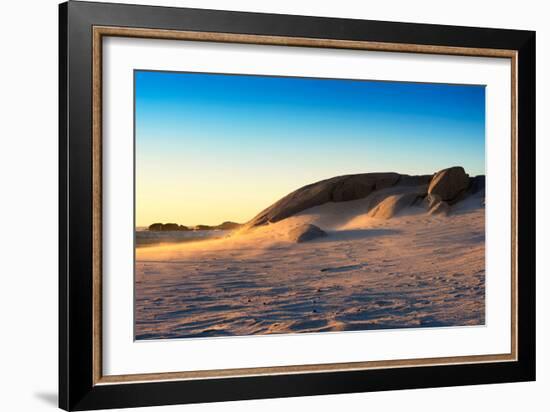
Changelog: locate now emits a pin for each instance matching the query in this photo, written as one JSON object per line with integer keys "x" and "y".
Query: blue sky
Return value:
{"x": 252, "y": 139}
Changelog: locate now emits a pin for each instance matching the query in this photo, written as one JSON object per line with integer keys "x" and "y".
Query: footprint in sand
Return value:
{"x": 347, "y": 268}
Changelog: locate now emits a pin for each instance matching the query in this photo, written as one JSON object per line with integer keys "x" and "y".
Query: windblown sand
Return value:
{"x": 414, "y": 270}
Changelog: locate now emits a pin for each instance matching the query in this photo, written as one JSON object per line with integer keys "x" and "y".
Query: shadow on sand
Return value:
{"x": 356, "y": 234}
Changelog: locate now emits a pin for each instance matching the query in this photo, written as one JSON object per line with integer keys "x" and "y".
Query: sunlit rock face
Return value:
{"x": 337, "y": 189}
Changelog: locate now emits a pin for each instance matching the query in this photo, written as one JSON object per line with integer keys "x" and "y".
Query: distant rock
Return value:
{"x": 305, "y": 232}
{"x": 203, "y": 227}
{"x": 224, "y": 226}
{"x": 155, "y": 227}
{"x": 167, "y": 227}
{"x": 336, "y": 189}
{"x": 170, "y": 227}
{"x": 228, "y": 226}
{"x": 392, "y": 205}
{"x": 449, "y": 184}
{"x": 174, "y": 227}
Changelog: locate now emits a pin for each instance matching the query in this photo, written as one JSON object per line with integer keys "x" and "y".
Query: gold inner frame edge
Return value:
{"x": 101, "y": 31}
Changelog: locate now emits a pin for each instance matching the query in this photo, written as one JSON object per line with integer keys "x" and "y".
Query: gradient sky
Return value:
{"x": 214, "y": 147}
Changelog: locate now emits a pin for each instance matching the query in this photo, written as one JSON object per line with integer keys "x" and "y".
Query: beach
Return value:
{"x": 370, "y": 271}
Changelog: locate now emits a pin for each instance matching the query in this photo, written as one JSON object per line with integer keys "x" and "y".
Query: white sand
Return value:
{"x": 413, "y": 270}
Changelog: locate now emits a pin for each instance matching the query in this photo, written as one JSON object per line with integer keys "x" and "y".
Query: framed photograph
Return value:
{"x": 257, "y": 205}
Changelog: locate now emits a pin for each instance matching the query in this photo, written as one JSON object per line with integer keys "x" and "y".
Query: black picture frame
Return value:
{"x": 77, "y": 390}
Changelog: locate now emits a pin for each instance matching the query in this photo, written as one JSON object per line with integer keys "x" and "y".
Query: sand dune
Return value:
{"x": 385, "y": 262}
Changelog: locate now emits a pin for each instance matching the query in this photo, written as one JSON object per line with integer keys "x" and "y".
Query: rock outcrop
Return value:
{"x": 306, "y": 232}
{"x": 449, "y": 184}
{"x": 392, "y": 205}
{"x": 439, "y": 208}
{"x": 477, "y": 184}
{"x": 336, "y": 189}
